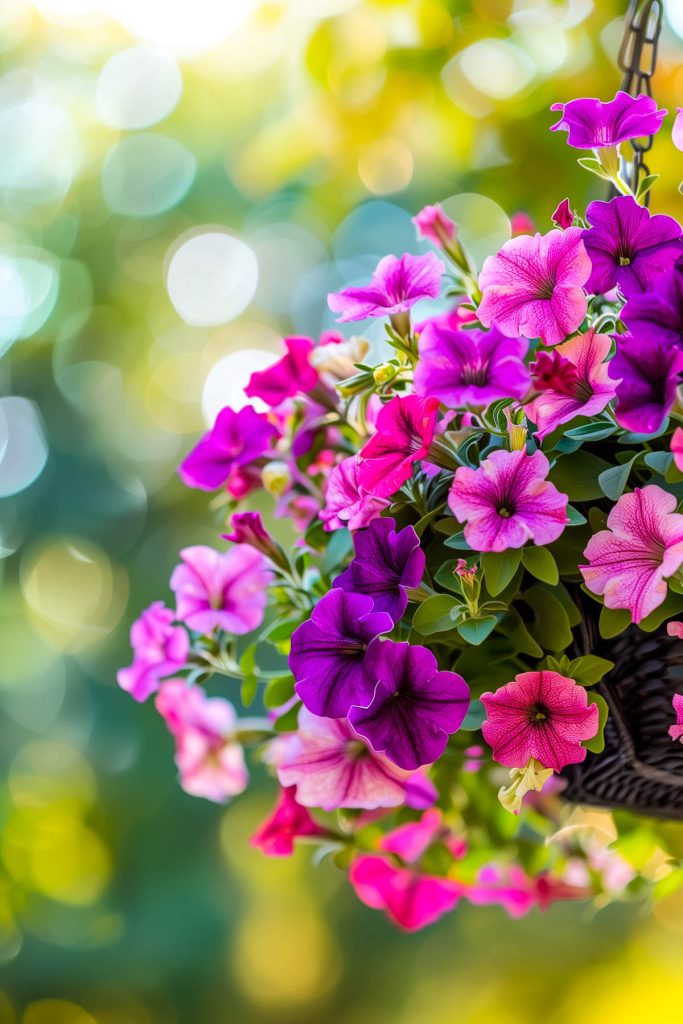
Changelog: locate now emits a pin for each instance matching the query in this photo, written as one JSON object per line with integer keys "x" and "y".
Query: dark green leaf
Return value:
{"x": 521, "y": 639}
{"x": 426, "y": 520}
{"x": 589, "y": 669}
{"x": 475, "y": 631}
{"x": 435, "y": 615}
{"x": 457, "y": 540}
{"x": 659, "y": 461}
{"x": 446, "y": 576}
{"x": 613, "y": 621}
{"x": 672, "y": 605}
{"x": 551, "y": 622}
{"x": 540, "y": 564}
{"x": 339, "y": 545}
{"x": 613, "y": 480}
{"x": 597, "y": 744}
{"x": 576, "y": 475}
{"x": 592, "y": 431}
{"x": 499, "y": 568}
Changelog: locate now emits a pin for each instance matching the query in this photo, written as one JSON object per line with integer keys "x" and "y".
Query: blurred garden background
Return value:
{"x": 180, "y": 185}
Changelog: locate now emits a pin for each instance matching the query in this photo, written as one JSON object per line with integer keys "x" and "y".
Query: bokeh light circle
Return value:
{"x": 138, "y": 88}
{"x": 146, "y": 174}
{"x": 212, "y": 277}
{"x": 227, "y": 379}
{"x": 23, "y": 448}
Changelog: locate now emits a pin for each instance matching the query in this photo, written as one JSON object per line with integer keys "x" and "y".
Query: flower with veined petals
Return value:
{"x": 592, "y": 124}
{"x": 217, "y": 590}
{"x": 235, "y": 440}
{"x": 209, "y": 757}
{"x": 508, "y": 501}
{"x": 657, "y": 316}
{"x": 332, "y": 766}
{"x": 405, "y": 428}
{"x": 385, "y": 563}
{"x": 628, "y": 246}
{"x": 676, "y": 730}
{"x": 532, "y": 288}
{"x": 629, "y": 562}
{"x": 288, "y": 821}
{"x": 540, "y": 715}
{"x": 677, "y": 447}
{"x": 434, "y": 225}
{"x": 573, "y": 380}
{"x": 347, "y": 502}
{"x": 159, "y": 650}
{"x": 646, "y": 373}
{"x": 291, "y": 375}
{"x": 396, "y": 285}
{"x": 469, "y": 367}
{"x": 410, "y": 899}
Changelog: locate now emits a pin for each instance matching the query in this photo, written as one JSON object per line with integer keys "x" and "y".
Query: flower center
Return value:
{"x": 538, "y": 712}
{"x": 476, "y": 373}
{"x": 504, "y": 512}
{"x": 355, "y": 749}
{"x": 624, "y": 261}
{"x": 546, "y": 288}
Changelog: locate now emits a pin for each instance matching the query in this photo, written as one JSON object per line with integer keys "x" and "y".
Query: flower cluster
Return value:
{"x": 478, "y": 510}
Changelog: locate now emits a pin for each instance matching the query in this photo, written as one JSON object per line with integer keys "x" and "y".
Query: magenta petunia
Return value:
{"x": 628, "y": 246}
{"x": 414, "y": 708}
{"x": 248, "y": 528}
{"x": 330, "y": 651}
{"x": 469, "y": 367}
{"x": 405, "y": 428}
{"x": 563, "y": 216}
{"x": 289, "y": 821}
{"x": 646, "y": 373}
{"x": 396, "y": 285}
{"x": 592, "y": 124}
{"x": 434, "y": 225}
{"x": 159, "y": 648}
{"x": 291, "y": 375}
{"x": 657, "y": 316}
{"x": 347, "y": 502}
{"x": 540, "y": 715}
{"x": 508, "y": 501}
{"x": 386, "y": 562}
{"x": 410, "y": 899}
{"x": 332, "y": 766}
{"x": 216, "y": 590}
{"x": 629, "y": 562}
{"x": 209, "y": 757}
{"x": 517, "y": 893}
{"x": 677, "y": 447}
{"x": 533, "y": 287}
{"x": 235, "y": 440}
{"x": 676, "y": 730}
{"x": 677, "y": 130}
{"x": 573, "y": 380}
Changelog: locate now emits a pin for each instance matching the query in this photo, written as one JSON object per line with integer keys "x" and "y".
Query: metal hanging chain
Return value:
{"x": 638, "y": 59}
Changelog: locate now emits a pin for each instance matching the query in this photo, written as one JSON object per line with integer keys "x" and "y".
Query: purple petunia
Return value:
{"x": 234, "y": 441}
{"x": 414, "y": 708}
{"x": 330, "y": 650}
{"x": 649, "y": 373}
{"x": 658, "y": 315}
{"x": 592, "y": 124}
{"x": 628, "y": 246}
{"x": 385, "y": 563}
{"x": 396, "y": 285}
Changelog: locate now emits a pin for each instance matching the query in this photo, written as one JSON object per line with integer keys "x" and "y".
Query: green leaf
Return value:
{"x": 514, "y": 628}
{"x": 457, "y": 540}
{"x": 574, "y": 516}
{"x": 248, "y": 660}
{"x": 672, "y": 605}
{"x": 476, "y": 630}
{"x": 248, "y": 689}
{"x": 278, "y": 632}
{"x": 447, "y": 578}
{"x": 613, "y": 480}
{"x": 576, "y": 475}
{"x": 597, "y": 518}
{"x": 474, "y": 717}
{"x": 289, "y": 721}
{"x": 551, "y": 622}
{"x": 499, "y": 568}
{"x": 427, "y": 519}
{"x": 645, "y": 185}
{"x": 613, "y": 621}
{"x": 435, "y": 615}
{"x": 278, "y": 691}
{"x": 594, "y": 166}
{"x": 592, "y": 431}
{"x": 659, "y": 461}
{"x": 597, "y": 744}
{"x": 339, "y": 545}
{"x": 541, "y": 564}
{"x": 589, "y": 669}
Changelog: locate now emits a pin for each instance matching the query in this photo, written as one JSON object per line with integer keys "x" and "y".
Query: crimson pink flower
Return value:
{"x": 396, "y": 285}
{"x": 234, "y": 441}
{"x": 347, "y": 503}
{"x": 573, "y": 380}
{"x": 288, "y": 821}
{"x": 532, "y": 288}
{"x": 159, "y": 648}
{"x": 563, "y": 216}
{"x": 630, "y": 561}
{"x": 410, "y": 899}
{"x": 433, "y": 224}
{"x": 676, "y": 731}
{"x": 289, "y": 376}
{"x": 508, "y": 501}
{"x": 592, "y": 124}
{"x": 543, "y": 715}
{"x": 405, "y": 428}
{"x": 677, "y": 447}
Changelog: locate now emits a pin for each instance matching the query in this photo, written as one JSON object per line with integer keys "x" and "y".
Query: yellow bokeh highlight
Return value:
{"x": 385, "y": 166}
{"x": 56, "y": 1011}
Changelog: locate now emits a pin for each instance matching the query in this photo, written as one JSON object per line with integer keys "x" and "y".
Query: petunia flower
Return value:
{"x": 409, "y": 898}
{"x": 469, "y": 367}
{"x": 677, "y": 447}
{"x": 288, "y": 821}
{"x": 217, "y": 590}
{"x": 414, "y": 707}
{"x": 532, "y": 288}
{"x": 234, "y": 441}
{"x": 248, "y": 528}
{"x": 630, "y": 561}
{"x": 516, "y": 892}
{"x": 563, "y": 216}
{"x": 396, "y": 285}
{"x": 434, "y": 225}
{"x": 508, "y": 501}
{"x": 405, "y": 428}
{"x": 592, "y": 124}
{"x": 330, "y": 650}
{"x": 335, "y": 357}
{"x": 628, "y": 246}
{"x": 657, "y": 315}
{"x": 385, "y": 563}
{"x": 347, "y": 502}
{"x": 646, "y": 373}
{"x": 332, "y": 766}
{"x": 573, "y": 380}
{"x": 540, "y": 715}
{"x": 159, "y": 648}
{"x": 676, "y": 731}
{"x": 209, "y": 757}
{"x": 677, "y": 130}
{"x": 291, "y": 375}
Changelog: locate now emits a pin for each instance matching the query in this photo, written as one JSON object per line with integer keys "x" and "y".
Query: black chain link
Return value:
{"x": 638, "y": 59}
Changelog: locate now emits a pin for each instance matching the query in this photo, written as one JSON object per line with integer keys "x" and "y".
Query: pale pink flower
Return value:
{"x": 217, "y": 590}
{"x": 630, "y": 561}
{"x": 434, "y": 225}
{"x": 676, "y": 731}
{"x": 347, "y": 502}
{"x": 532, "y": 288}
{"x": 677, "y": 447}
{"x": 209, "y": 758}
{"x": 508, "y": 501}
{"x": 159, "y": 648}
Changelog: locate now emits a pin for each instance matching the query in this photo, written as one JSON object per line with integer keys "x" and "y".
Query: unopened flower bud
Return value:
{"x": 384, "y": 373}
{"x": 277, "y": 477}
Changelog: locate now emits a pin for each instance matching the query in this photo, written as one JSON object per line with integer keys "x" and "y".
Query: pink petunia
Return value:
{"x": 288, "y": 821}
{"x": 396, "y": 285}
{"x": 677, "y": 447}
{"x": 289, "y": 376}
{"x": 573, "y": 380}
{"x": 410, "y": 899}
{"x": 434, "y": 225}
{"x": 209, "y": 757}
{"x": 159, "y": 648}
{"x": 332, "y": 766}
{"x": 217, "y": 590}
{"x": 347, "y": 503}
{"x": 677, "y": 130}
{"x": 405, "y": 428}
{"x": 508, "y": 501}
{"x": 540, "y": 715}
{"x": 676, "y": 731}
{"x": 224, "y": 455}
{"x": 532, "y": 288}
{"x": 630, "y": 561}
{"x": 516, "y": 892}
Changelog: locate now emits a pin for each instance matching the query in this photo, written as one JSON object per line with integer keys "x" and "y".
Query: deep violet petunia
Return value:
{"x": 332, "y": 766}
{"x": 409, "y": 898}
{"x": 647, "y": 373}
{"x": 404, "y": 430}
{"x": 385, "y": 563}
{"x": 287, "y": 822}
{"x": 221, "y": 590}
{"x": 234, "y": 441}
{"x": 657, "y": 316}
{"x": 592, "y": 124}
{"x": 434, "y": 225}
{"x": 677, "y": 447}
{"x": 330, "y": 650}
{"x": 347, "y": 502}
{"x": 396, "y": 285}
{"x": 291, "y": 375}
{"x": 573, "y": 380}
{"x": 563, "y": 216}
{"x": 533, "y": 287}
{"x": 629, "y": 562}
{"x": 541, "y": 715}
{"x": 676, "y": 730}
{"x": 414, "y": 708}
{"x": 159, "y": 649}
{"x": 470, "y": 367}
{"x": 508, "y": 501}
{"x": 628, "y": 246}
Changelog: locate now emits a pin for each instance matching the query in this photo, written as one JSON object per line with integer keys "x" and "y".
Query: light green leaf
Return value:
{"x": 476, "y": 630}
{"x": 435, "y": 615}
{"x": 499, "y": 568}
{"x": 597, "y": 744}
{"x": 541, "y": 564}
{"x": 613, "y": 621}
